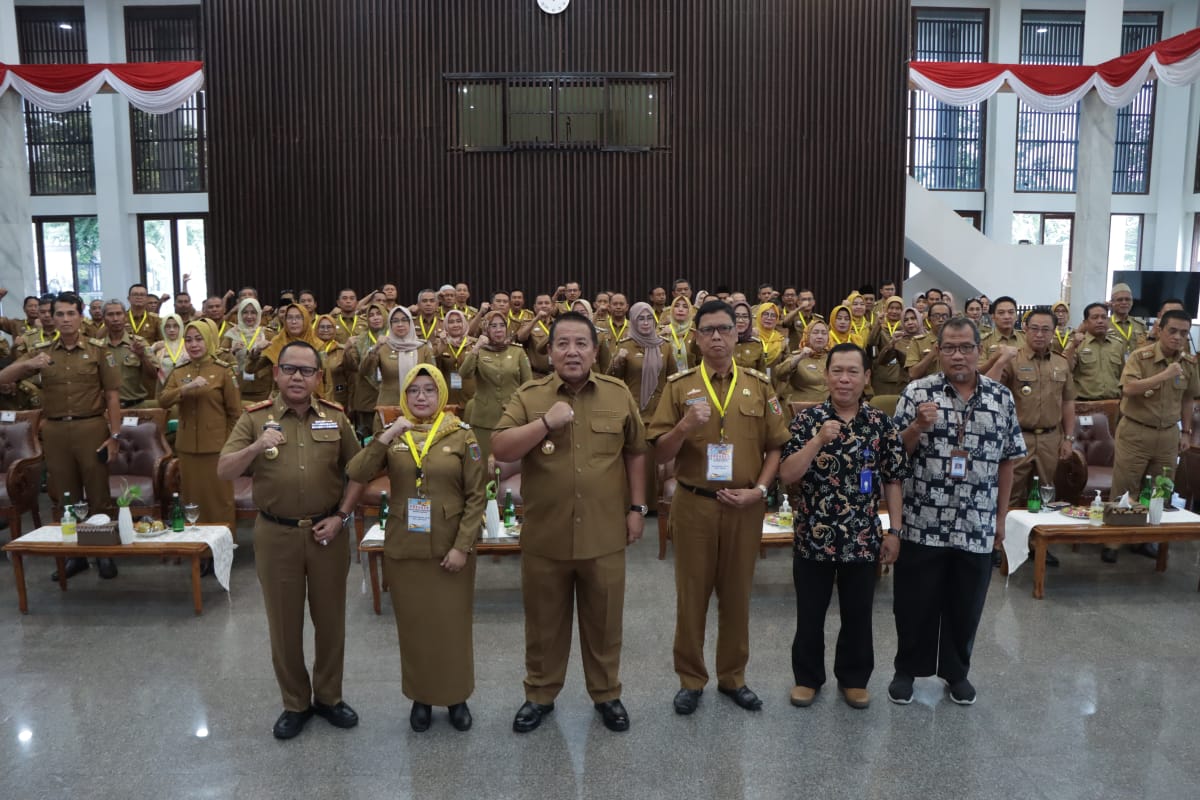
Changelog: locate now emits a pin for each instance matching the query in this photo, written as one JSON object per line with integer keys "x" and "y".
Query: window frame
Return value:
{"x": 173, "y": 219}
{"x": 1153, "y": 114}
{"x": 39, "y": 245}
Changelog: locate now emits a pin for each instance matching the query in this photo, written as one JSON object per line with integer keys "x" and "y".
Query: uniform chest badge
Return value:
{"x": 745, "y": 392}
{"x": 1027, "y": 390}
{"x": 1149, "y": 393}
{"x": 399, "y": 447}
{"x": 446, "y": 448}
{"x": 548, "y": 447}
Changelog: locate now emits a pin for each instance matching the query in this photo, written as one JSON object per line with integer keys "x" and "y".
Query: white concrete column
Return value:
{"x": 1095, "y": 154}
{"x": 18, "y": 267}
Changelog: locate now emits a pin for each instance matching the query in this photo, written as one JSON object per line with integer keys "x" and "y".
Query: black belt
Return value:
{"x": 1039, "y": 431}
{"x": 130, "y": 403}
{"x": 1152, "y": 427}
{"x": 709, "y": 493}
{"x": 72, "y": 418}
{"x": 306, "y": 522}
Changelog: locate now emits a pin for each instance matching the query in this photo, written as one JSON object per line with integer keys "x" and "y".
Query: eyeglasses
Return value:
{"x": 292, "y": 369}
{"x": 419, "y": 391}
{"x": 741, "y": 316}
{"x": 1038, "y": 329}
{"x": 709, "y": 330}
{"x": 950, "y": 349}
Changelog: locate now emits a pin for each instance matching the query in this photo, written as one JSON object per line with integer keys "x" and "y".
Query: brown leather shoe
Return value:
{"x": 856, "y": 698}
{"x": 803, "y": 696}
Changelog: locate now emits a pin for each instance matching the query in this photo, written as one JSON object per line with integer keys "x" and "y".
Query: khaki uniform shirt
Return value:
{"x": 629, "y": 372}
{"x": 449, "y": 359}
{"x": 146, "y": 325}
{"x": 345, "y": 327}
{"x": 306, "y": 479}
{"x": 803, "y": 379}
{"x": 988, "y": 345}
{"x": 1128, "y": 334}
{"x": 747, "y": 355}
{"x": 537, "y": 349}
{"x": 574, "y": 484}
{"x": 1098, "y": 365}
{"x": 133, "y": 382}
{"x": 497, "y": 375}
{"x": 754, "y": 423}
{"x": 917, "y": 347}
{"x": 33, "y": 340}
{"x": 206, "y": 417}
{"x": 75, "y": 383}
{"x": 1039, "y": 385}
{"x": 1158, "y": 407}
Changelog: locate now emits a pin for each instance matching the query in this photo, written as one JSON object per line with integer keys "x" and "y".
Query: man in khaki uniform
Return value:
{"x": 297, "y": 448}
{"x": 1004, "y": 334}
{"x": 1098, "y": 359}
{"x": 141, "y": 321}
{"x": 132, "y": 356}
{"x": 82, "y": 412}
{"x": 1124, "y": 329}
{"x": 349, "y": 323}
{"x": 534, "y": 336}
{"x": 613, "y": 329}
{"x": 1158, "y": 386}
{"x": 581, "y": 443}
{"x": 921, "y": 355}
{"x": 725, "y": 429}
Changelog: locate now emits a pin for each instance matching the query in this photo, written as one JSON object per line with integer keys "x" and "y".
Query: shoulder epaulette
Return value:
{"x": 679, "y": 375}
{"x": 224, "y": 363}
{"x": 608, "y": 379}
{"x": 1145, "y": 352}
{"x": 97, "y": 342}
{"x": 259, "y": 406}
{"x": 757, "y": 374}
{"x": 755, "y": 339}
{"x": 624, "y": 339}
{"x": 331, "y": 404}
{"x": 541, "y": 380}
{"x": 464, "y": 426}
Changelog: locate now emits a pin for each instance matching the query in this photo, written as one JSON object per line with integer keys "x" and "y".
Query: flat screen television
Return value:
{"x": 1151, "y": 288}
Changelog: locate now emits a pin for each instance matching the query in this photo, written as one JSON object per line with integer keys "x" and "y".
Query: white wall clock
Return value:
{"x": 553, "y": 6}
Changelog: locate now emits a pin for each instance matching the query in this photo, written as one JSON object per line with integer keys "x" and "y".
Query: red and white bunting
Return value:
{"x": 156, "y": 87}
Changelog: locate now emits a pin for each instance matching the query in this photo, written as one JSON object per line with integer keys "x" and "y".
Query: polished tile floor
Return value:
{"x": 115, "y": 689}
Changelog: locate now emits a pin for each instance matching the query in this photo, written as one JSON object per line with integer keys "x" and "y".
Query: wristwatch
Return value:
{"x": 345, "y": 518}
{"x": 116, "y": 435}
{"x": 1070, "y": 438}
{"x": 764, "y": 490}
{"x": 892, "y": 532}
{"x": 642, "y": 509}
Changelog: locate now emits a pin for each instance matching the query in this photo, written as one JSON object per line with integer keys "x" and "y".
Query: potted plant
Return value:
{"x": 124, "y": 515}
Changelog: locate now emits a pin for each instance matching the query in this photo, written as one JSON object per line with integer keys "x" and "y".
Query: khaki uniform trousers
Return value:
{"x": 549, "y": 588}
{"x": 71, "y": 462}
{"x": 1041, "y": 459}
{"x": 198, "y": 483}
{"x": 1141, "y": 451}
{"x": 716, "y": 548}
{"x": 291, "y": 565}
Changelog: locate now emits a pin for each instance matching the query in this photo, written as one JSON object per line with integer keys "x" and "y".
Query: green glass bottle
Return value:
{"x": 510, "y": 509}
{"x": 1147, "y": 491}
{"x": 1034, "y": 502}
{"x": 177, "y": 520}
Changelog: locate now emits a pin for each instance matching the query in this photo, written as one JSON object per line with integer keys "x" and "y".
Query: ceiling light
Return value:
{"x": 1043, "y": 30}
{"x": 66, "y": 26}
{"x": 202, "y": 732}
{"x": 25, "y": 735}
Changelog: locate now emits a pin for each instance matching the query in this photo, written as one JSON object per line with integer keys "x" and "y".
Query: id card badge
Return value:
{"x": 720, "y": 462}
{"x": 866, "y": 482}
{"x": 247, "y": 376}
{"x": 419, "y": 515}
{"x": 455, "y": 380}
{"x": 378, "y": 375}
{"x": 958, "y": 463}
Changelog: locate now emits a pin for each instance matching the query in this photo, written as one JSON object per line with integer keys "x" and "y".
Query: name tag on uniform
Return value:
{"x": 8, "y": 416}
{"x": 958, "y": 463}
{"x": 247, "y": 376}
{"x": 129, "y": 422}
{"x": 455, "y": 380}
{"x": 324, "y": 424}
{"x": 720, "y": 462}
{"x": 866, "y": 482}
{"x": 419, "y": 514}
{"x": 378, "y": 375}
{"x": 1085, "y": 420}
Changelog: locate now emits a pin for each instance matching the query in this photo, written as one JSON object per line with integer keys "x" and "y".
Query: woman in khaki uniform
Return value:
{"x": 449, "y": 352}
{"x": 335, "y": 378}
{"x": 643, "y": 362}
{"x": 677, "y": 330}
{"x": 244, "y": 342}
{"x": 888, "y": 375}
{"x": 429, "y": 562}
{"x": 748, "y": 353}
{"x": 169, "y": 352}
{"x": 394, "y": 356}
{"x": 803, "y": 372}
{"x": 365, "y": 393}
{"x": 209, "y": 404}
{"x": 774, "y": 340}
{"x": 499, "y": 369}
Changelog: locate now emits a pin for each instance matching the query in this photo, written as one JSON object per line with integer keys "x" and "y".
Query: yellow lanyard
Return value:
{"x": 457, "y": 352}
{"x": 891, "y": 329}
{"x": 712, "y": 395}
{"x": 1062, "y": 340}
{"x": 678, "y": 345}
{"x": 349, "y": 328}
{"x": 803, "y": 322}
{"x": 42, "y": 334}
{"x": 329, "y": 346}
{"x": 542, "y": 325}
{"x": 371, "y": 334}
{"x": 617, "y": 336}
{"x": 221, "y": 332}
{"x": 419, "y": 457}
{"x": 253, "y": 338}
{"x": 1124, "y": 334}
{"x": 858, "y": 328}
{"x": 425, "y": 333}
{"x": 137, "y": 327}
{"x": 656, "y": 315}
{"x": 173, "y": 356}
{"x": 833, "y": 337}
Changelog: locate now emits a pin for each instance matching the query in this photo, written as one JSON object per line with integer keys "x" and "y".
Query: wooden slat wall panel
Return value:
{"x": 330, "y": 164}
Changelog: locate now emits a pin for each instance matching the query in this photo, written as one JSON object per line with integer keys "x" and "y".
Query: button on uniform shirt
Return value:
{"x": 1039, "y": 385}
{"x": 577, "y": 494}
{"x": 941, "y": 511}
{"x": 307, "y": 477}
{"x": 754, "y": 423}
{"x": 74, "y": 384}
{"x": 1158, "y": 407}
{"x": 834, "y": 520}
{"x": 1098, "y": 365}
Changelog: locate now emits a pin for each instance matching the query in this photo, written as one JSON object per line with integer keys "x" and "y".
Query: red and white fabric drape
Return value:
{"x": 1174, "y": 61}
{"x": 156, "y": 87}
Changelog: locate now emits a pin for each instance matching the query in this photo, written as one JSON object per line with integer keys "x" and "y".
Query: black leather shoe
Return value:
{"x": 460, "y": 717}
{"x": 616, "y": 718}
{"x": 687, "y": 701}
{"x": 1109, "y": 555}
{"x": 290, "y": 723}
{"x": 743, "y": 696}
{"x": 339, "y": 716}
{"x": 420, "y": 717}
{"x": 529, "y": 716}
{"x": 108, "y": 568}
{"x": 1149, "y": 549}
{"x": 1051, "y": 559}
{"x": 74, "y": 567}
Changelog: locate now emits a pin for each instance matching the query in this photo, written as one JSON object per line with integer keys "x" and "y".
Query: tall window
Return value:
{"x": 1124, "y": 243}
{"x": 68, "y": 255}
{"x": 172, "y": 248}
{"x": 1135, "y": 122}
{"x": 946, "y": 143}
{"x": 59, "y": 146}
{"x": 170, "y": 151}
{"x": 1046, "y": 143}
{"x": 502, "y": 111}
{"x": 1035, "y": 228}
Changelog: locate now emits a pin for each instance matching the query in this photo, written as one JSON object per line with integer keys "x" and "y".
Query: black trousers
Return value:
{"x": 939, "y": 596}
{"x": 855, "y": 656}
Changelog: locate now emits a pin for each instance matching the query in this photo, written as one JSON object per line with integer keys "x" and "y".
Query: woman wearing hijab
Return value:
{"x": 365, "y": 394}
{"x": 169, "y": 352}
{"x": 643, "y": 361}
{"x": 749, "y": 352}
{"x": 499, "y": 369}
{"x": 394, "y": 356}
{"x": 336, "y": 380}
{"x": 802, "y": 374}
{"x": 245, "y": 341}
{"x": 888, "y": 375}
{"x": 297, "y": 327}
{"x": 677, "y": 330}
{"x": 1062, "y": 327}
{"x": 206, "y": 391}
{"x": 436, "y": 471}
{"x": 774, "y": 341}
{"x": 840, "y": 332}
{"x": 449, "y": 351}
